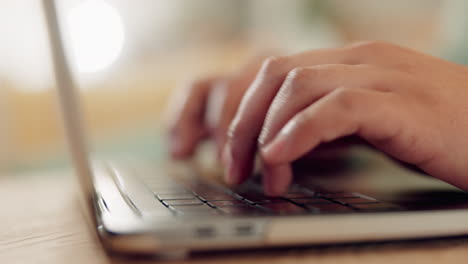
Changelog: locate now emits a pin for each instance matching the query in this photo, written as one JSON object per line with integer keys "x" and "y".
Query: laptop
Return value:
{"x": 157, "y": 207}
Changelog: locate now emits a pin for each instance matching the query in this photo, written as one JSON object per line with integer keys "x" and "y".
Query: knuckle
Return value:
{"x": 297, "y": 72}
{"x": 299, "y": 79}
{"x": 325, "y": 70}
{"x": 273, "y": 64}
{"x": 294, "y": 81}
{"x": 265, "y": 133}
{"x": 299, "y": 121}
{"x": 369, "y": 46}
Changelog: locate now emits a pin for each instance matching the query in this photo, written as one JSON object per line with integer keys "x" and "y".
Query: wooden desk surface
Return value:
{"x": 41, "y": 223}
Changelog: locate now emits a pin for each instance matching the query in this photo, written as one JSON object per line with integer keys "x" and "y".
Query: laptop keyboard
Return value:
{"x": 200, "y": 198}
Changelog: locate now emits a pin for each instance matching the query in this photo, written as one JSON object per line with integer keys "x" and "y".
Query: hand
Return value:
{"x": 412, "y": 106}
{"x": 206, "y": 107}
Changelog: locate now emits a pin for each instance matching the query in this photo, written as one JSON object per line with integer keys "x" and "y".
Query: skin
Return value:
{"x": 410, "y": 105}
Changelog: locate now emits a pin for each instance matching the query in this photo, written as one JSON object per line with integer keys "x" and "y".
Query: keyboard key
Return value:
{"x": 211, "y": 193}
{"x": 270, "y": 200}
{"x": 319, "y": 188}
{"x": 355, "y": 200}
{"x": 260, "y": 198}
{"x": 175, "y": 202}
{"x": 229, "y": 203}
{"x": 175, "y": 196}
{"x": 298, "y": 193}
{"x": 284, "y": 208}
{"x": 313, "y": 200}
{"x": 217, "y": 197}
{"x": 190, "y": 206}
{"x": 339, "y": 195}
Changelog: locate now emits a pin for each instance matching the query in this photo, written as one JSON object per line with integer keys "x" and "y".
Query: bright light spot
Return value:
{"x": 96, "y": 34}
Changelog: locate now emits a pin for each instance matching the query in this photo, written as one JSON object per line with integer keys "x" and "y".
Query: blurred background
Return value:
{"x": 129, "y": 56}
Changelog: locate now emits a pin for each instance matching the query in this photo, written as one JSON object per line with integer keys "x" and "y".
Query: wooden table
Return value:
{"x": 42, "y": 223}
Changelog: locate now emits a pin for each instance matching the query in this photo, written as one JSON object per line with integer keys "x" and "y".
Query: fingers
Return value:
{"x": 341, "y": 113}
{"x": 188, "y": 121}
{"x": 207, "y": 108}
{"x": 295, "y": 103}
{"x": 245, "y": 128}
{"x": 225, "y": 100}
{"x": 228, "y": 103}
{"x": 276, "y": 179}
{"x": 303, "y": 86}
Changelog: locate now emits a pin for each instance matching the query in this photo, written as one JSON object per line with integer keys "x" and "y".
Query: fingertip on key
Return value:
{"x": 271, "y": 186}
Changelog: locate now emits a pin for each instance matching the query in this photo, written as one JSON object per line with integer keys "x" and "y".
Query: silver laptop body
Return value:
{"x": 157, "y": 207}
